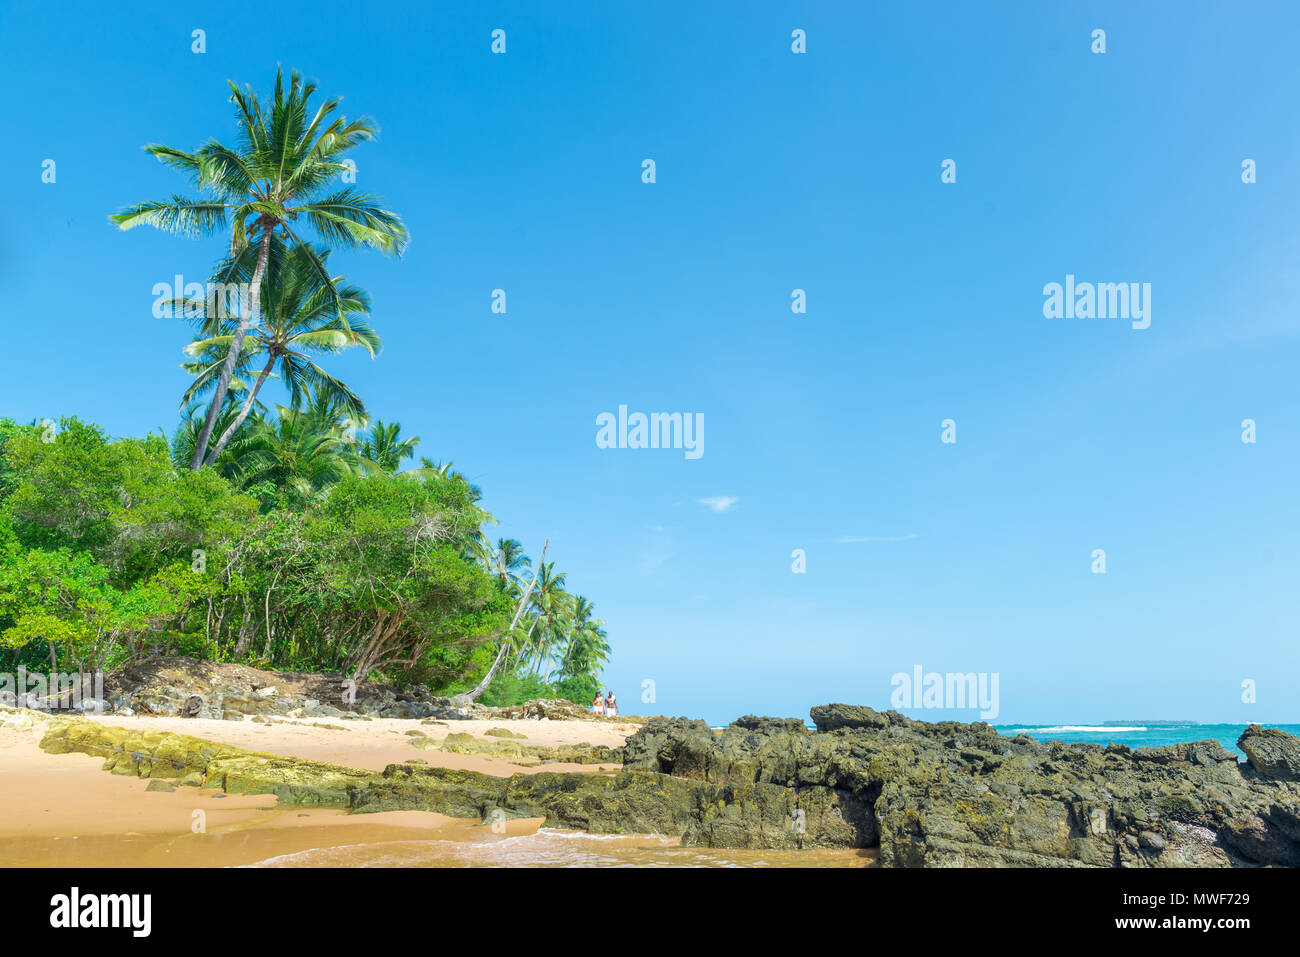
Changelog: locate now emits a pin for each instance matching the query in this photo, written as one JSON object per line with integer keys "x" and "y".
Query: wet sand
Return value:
{"x": 64, "y": 811}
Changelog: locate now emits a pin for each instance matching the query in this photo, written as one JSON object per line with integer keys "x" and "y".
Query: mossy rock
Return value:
{"x": 193, "y": 761}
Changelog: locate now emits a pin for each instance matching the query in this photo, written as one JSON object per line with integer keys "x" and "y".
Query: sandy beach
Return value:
{"x": 63, "y": 810}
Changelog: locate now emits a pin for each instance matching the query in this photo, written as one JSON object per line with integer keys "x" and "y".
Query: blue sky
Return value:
{"x": 775, "y": 171}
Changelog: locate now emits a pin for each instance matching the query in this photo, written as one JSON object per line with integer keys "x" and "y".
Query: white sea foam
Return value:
{"x": 1079, "y": 729}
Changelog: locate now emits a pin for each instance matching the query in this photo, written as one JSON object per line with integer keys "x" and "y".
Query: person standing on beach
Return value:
{"x": 611, "y": 705}
{"x": 598, "y": 703}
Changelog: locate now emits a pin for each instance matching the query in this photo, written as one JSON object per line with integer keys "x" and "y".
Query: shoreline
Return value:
{"x": 864, "y": 788}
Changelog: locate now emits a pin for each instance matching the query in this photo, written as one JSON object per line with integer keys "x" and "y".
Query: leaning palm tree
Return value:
{"x": 267, "y": 187}
{"x": 299, "y": 321}
{"x": 509, "y": 637}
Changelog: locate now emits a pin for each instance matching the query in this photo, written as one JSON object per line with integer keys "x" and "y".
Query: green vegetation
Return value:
{"x": 288, "y": 538}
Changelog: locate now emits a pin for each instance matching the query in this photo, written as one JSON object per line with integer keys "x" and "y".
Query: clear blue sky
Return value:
{"x": 775, "y": 171}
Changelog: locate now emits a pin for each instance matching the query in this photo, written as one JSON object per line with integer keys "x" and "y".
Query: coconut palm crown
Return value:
{"x": 277, "y": 180}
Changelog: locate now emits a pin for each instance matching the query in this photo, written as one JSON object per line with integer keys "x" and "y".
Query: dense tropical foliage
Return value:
{"x": 287, "y": 536}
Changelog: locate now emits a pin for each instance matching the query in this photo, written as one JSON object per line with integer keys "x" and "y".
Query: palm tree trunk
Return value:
{"x": 243, "y": 414}
{"x": 473, "y": 696}
{"x": 228, "y": 370}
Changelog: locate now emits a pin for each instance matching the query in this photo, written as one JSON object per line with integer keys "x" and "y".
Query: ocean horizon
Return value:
{"x": 1137, "y": 735}
{"x": 1151, "y": 733}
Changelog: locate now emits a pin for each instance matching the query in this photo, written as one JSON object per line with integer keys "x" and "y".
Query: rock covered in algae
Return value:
{"x": 167, "y": 755}
{"x": 462, "y": 743}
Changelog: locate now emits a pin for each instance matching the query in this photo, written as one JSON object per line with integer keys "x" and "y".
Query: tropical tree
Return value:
{"x": 507, "y": 562}
{"x": 507, "y": 637}
{"x": 187, "y": 433}
{"x": 383, "y": 449}
{"x": 551, "y": 605}
{"x": 443, "y": 470}
{"x": 299, "y": 320}
{"x": 587, "y": 648}
{"x": 297, "y": 452}
{"x": 267, "y": 187}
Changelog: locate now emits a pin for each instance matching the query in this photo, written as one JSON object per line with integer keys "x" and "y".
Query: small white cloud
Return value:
{"x": 852, "y": 539}
{"x": 719, "y": 503}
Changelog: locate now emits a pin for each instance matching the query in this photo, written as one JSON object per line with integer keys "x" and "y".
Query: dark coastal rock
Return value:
{"x": 951, "y": 794}
{"x": 1272, "y": 752}
{"x": 1259, "y": 839}
{"x": 830, "y": 717}
{"x": 768, "y": 725}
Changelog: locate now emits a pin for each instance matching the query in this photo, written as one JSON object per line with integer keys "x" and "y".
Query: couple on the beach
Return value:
{"x": 607, "y": 705}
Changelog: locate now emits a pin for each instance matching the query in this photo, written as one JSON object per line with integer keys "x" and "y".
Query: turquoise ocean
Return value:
{"x": 1139, "y": 735}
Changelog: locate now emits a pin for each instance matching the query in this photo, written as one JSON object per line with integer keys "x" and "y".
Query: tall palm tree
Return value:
{"x": 273, "y": 181}
{"x": 299, "y": 320}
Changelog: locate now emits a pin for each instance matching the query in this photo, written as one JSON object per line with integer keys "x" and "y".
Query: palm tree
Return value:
{"x": 430, "y": 469}
{"x": 187, "y": 433}
{"x": 508, "y": 637}
{"x": 299, "y": 320}
{"x": 384, "y": 450}
{"x": 298, "y": 450}
{"x": 274, "y": 180}
{"x": 587, "y": 648}
{"x": 551, "y": 609}
{"x": 507, "y": 562}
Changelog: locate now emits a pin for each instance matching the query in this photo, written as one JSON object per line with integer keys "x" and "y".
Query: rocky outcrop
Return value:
{"x": 555, "y": 709}
{"x": 199, "y": 763}
{"x": 950, "y": 794}
{"x": 1273, "y": 753}
{"x": 204, "y": 689}
{"x": 925, "y": 795}
{"x": 188, "y": 688}
{"x": 525, "y": 754}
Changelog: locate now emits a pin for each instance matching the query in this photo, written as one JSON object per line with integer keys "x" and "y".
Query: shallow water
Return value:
{"x": 554, "y": 848}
